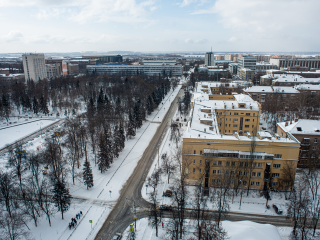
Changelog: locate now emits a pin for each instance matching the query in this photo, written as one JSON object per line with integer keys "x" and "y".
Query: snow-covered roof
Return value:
{"x": 311, "y": 87}
{"x": 302, "y": 126}
{"x": 270, "y": 89}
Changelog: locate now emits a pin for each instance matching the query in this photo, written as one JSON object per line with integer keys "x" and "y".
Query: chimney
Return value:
{"x": 286, "y": 124}
{"x": 295, "y": 120}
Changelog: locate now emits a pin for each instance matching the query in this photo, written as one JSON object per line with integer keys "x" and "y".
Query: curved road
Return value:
{"x": 122, "y": 214}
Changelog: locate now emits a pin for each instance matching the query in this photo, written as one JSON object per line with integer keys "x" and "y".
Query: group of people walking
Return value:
{"x": 73, "y": 222}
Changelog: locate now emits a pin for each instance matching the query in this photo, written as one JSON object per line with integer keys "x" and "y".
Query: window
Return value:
{"x": 194, "y": 152}
{"x": 246, "y": 164}
{"x": 194, "y": 161}
{"x": 247, "y": 114}
{"x": 218, "y": 181}
{"x": 213, "y": 180}
{"x": 214, "y": 171}
{"x": 200, "y": 152}
{"x": 199, "y": 170}
{"x": 315, "y": 140}
{"x": 200, "y": 161}
{"x": 314, "y": 148}
{"x": 276, "y": 165}
{"x": 235, "y": 125}
{"x": 233, "y": 163}
{"x": 259, "y": 174}
{"x": 253, "y": 174}
{"x": 259, "y": 164}
{"x": 232, "y": 172}
{"x": 214, "y": 162}
{"x": 244, "y": 182}
{"x": 278, "y": 156}
{"x": 254, "y": 164}
{"x": 246, "y": 126}
{"x": 228, "y": 164}
{"x": 245, "y": 174}
{"x": 235, "y": 120}
{"x": 252, "y": 183}
{"x": 275, "y": 175}
{"x": 240, "y": 173}
{"x": 241, "y": 164}
{"x": 219, "y": 171}
{"x": 227, "y": 172}
{"x": 194, "y": 170}
{"x": 236, "y": 114}
{"x": 274, "y": 184}
{"x": 247, "y": 120}
{"x": 219, "y": 163}
{"x": 258, "y": 183}
{"x": 231, "y": 181}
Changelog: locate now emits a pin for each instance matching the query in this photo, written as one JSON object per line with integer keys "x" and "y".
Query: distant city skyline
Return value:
{"x": 159, "y": 26}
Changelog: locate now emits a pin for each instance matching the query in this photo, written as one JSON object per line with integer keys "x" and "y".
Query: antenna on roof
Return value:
{"x": 211, "y": 48}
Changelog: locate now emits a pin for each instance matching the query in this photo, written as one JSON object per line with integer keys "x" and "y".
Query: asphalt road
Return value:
{"x": 122, "y": 214}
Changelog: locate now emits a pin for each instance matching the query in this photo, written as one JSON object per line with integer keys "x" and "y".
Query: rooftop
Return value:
{"x": 302, "y": 126}
{"x": 270, "y": 89}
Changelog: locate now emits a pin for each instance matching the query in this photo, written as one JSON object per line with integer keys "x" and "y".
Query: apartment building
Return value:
{"x": 104, "y": 58}
{"x": 307, "y": 132}
{"x": 244, "y": 158}
{"x": 310, "y": 63}
{"x": 34, "y": 66}
{"x": 209, "y": 59}
{"x": 248, "y": 62}
{"x": 218, "y": 88}
{"x": 247, "y": 74}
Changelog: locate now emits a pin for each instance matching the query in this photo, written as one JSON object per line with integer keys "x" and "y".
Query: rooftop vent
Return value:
{"x": 299, "y": 129}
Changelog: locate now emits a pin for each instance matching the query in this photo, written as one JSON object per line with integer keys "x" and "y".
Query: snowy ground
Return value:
{"x": 102, "y": 197}
{"x": 244, "y": 230}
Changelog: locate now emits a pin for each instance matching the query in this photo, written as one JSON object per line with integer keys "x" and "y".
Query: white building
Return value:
{"x": 248, "y": 62}
{"x": 209, "y": 59}
{"x": 34, "y": 66}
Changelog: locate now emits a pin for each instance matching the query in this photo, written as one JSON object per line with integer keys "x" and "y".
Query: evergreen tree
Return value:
{"x": 90, "y": 108}
{"x": 109, "y": 145}
{"x": 118, "y": 106}
{"x": 121, "y": 137}
{"x": 87, "y": 175}
{"x": 100, "y": 102}
{"x": 116, "y": 148}
{"x": 149, "y": 105}
{"x": 35, "y": 106}
{"x": 6, "y": 106}
{"x": 61, "y": 196}
{"x": 102, "y": 155}
{"x": 137, "y": 114}
{"x": 43, "y": 105}
{"x": 131, "y": 132}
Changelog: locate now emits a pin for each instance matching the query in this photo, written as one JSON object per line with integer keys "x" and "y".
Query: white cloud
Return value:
{"x": 197, "y": 41}
{"x": 187, "y": 2}
{"x": 12, "y": 36}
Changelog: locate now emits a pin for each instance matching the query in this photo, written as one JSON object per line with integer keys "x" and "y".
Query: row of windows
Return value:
{"x": 236, "y": 155}
{"x": 236, "y": 114}
{"x": 213, "y": 181}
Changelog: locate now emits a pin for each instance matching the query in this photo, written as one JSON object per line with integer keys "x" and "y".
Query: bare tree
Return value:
{"x": 13, "y": 226}
{"x": 167, "y": 165}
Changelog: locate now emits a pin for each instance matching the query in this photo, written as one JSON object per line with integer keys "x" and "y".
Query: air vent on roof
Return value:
{"x": 317, "y": 130}
{"x": 299, "y": 129}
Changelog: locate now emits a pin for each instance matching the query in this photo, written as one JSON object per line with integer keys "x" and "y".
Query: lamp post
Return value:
{"x": 240, "y": 195}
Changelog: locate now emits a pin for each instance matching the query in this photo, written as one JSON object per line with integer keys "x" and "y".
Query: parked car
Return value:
{"x": 117, "y": 236}
{"x": 167, "y": 193}
{"x": 165, "y": 208}
{"x": 276, "y": 209}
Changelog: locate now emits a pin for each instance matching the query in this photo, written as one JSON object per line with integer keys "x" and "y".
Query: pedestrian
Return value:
{"x": 81, "y": 212}
{"x": 69, "y": 226}
{"x": 75, "y": 221}
{"x": 76, "y": 216}
{"x": 72, "y": 220}
{"x": 162, "y": 225}
{"x": 72, "y": 224}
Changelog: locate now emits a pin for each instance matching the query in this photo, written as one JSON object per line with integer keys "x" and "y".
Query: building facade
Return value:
{"x": 173, "y": 70}
{"x": 310, "y": 63}
{"x": 105, "y": 58}
{"x": 209, "y": 59}
{"x": 248, "y": 62}
{"x": 34, "y": 66}
{"x": 247, "y": 74}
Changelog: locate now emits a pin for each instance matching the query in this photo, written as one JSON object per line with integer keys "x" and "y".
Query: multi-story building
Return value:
{"x": 11, "y": 78}
{"x": 310, "y": 88}
{"x": 53, "y": 70}
{"x": 34, "y": 66}
{"x": 264, "y": 94}
{"x": 247, "y": 74}
{"x": 310, "y": 63}
{"x": 308, "y": 133}
{"x": 248, "y": 62}
{"x": 233, "y": 68}
{"x": 263, "y": 67}
{"x": 243, "y": 158}
{"x": 228, "y": 57}
{"x": 229, "y": 113}
{"x": 159, "y": 62}
{"x": 173, "y": 70}
{"x": 219, "y": 57}
{"x": 104, "y": 58}
{"x": 218, "y": 88}
{"x": 209, "y": 59}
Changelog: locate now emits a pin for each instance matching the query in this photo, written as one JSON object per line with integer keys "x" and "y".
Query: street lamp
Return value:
{"x": 240, "y": 195}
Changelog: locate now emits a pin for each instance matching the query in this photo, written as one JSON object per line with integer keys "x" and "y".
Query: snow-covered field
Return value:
{"x": 97, "y": 202}
{"x": 21, "y": 128}
{"x": 244, "y": 230}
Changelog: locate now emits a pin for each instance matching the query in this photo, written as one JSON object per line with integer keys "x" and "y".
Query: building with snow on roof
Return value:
{"x": 308, "y": 133}
{"x": 222, "y": 147}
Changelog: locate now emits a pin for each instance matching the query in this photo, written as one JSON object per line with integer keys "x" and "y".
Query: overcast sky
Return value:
{"x": 159, "y": 25}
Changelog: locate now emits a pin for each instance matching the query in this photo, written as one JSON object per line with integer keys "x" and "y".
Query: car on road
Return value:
{"x": 167, "y": 193}
{"x": 277, "y": 209}
{"x": 165, "y": 208}
{"x": 117, "y": 236}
